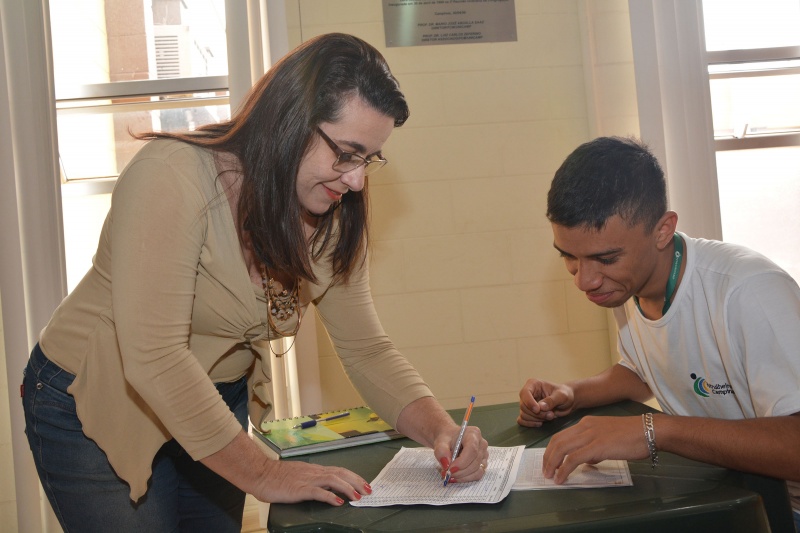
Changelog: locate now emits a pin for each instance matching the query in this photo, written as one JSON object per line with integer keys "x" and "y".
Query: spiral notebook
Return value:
{"x": 360, "y": 426}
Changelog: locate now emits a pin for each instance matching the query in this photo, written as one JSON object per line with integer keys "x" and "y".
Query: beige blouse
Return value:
{"x": 169, "y": 303}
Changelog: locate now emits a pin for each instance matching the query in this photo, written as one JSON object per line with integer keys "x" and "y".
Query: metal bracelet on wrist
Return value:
{"x": 650, "y": 437}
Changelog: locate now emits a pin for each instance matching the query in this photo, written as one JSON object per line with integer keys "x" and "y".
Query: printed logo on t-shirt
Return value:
{"x": 705, "y": 389}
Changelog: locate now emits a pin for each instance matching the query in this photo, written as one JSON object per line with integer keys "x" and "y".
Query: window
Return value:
{"x": 754, "y": 77}
{"x": 123, "y": 66}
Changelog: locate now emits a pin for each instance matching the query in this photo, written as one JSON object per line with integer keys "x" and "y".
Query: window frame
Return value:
{"x": 104, "y": 98}
{"x": 754, "y": 55}
{"x": 66, "y": 96}
{"x": 134, "y": 88}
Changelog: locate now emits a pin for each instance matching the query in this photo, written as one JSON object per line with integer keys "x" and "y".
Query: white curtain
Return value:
{"x": 249, "y": 31}
{"x": 32, "y": 271}
{"x": 675, "y": 107}
{"x": 264, "y": 34}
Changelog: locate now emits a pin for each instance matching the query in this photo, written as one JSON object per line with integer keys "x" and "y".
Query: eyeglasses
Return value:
{"x": 347, "y": 161}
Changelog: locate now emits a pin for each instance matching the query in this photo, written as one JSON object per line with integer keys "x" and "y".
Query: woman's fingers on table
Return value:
{"x": 298, "y": 481}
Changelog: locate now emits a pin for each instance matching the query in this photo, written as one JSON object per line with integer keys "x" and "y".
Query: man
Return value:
{"x": 711, "y": 329}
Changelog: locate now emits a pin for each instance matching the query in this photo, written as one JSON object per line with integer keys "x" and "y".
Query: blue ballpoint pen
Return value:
{"x": 458, "y": 441}
{"x": 312, "y": 423}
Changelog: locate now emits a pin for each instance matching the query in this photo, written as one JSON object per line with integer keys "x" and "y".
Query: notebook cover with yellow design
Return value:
{"x": 361, "y": 426}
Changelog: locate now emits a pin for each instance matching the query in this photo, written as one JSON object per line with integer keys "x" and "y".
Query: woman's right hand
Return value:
{"x": 295, "y": 481}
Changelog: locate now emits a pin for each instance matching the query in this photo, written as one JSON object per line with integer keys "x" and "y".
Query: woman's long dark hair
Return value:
{"x": 273, "y": 130}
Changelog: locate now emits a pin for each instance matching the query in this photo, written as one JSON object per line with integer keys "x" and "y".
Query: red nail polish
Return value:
{"x": 444, "y": 462}
{"x": 367, "y": 488}
{"x": 356, "y": 495}
{"x": 340, "y": 501}
{"x": 454, "y": 470}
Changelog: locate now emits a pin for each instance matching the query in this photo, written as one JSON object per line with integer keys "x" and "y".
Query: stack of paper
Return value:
{"x": 412, "y": 477}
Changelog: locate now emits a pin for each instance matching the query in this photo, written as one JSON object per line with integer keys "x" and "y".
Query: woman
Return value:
{"x": 136, "y": 396}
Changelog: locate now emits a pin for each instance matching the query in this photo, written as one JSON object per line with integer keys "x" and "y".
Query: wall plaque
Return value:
{"x": 428, "y": 22}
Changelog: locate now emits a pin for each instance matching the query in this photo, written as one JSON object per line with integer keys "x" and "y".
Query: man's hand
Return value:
{"x": 594, "y": 439}
{"x": 540, "y": 401}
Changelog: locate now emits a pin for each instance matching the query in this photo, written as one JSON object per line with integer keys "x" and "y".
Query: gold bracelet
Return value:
{"x": 650, "y": 437}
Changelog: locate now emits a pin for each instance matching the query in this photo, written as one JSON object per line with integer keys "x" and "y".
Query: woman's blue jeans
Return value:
{"x": 83, "y": 489}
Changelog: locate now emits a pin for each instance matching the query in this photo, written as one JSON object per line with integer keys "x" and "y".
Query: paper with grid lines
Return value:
{"x": 413, "y": 477}
{"x": 609, "y": 473}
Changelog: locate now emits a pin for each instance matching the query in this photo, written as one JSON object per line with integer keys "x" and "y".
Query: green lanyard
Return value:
{"x": 674, "y": 274}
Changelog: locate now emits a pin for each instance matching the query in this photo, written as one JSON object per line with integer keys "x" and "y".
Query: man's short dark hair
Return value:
{"x": 605, "y": 177}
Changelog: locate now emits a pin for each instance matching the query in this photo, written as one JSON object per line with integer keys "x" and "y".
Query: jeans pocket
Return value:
{"x": 46, "y": 400}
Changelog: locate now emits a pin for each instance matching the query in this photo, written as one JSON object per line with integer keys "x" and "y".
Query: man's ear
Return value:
{"x": 665, "y": 229}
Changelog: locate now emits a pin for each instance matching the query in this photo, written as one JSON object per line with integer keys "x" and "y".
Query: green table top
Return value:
{"x": 679, "y": 494}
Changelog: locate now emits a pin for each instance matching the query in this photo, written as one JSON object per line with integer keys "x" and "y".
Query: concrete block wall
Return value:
{"x": 464, "y": 276}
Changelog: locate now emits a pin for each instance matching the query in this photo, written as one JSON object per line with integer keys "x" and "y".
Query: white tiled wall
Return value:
{"x": 464, "y": 275}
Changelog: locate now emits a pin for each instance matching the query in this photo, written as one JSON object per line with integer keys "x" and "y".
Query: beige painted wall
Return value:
{"x": 464, "y": 276}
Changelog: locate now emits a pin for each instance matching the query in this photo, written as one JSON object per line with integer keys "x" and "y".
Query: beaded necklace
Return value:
{"x": 280, "y": 308}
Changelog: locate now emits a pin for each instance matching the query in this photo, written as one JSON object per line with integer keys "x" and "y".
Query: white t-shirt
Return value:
{"x": 729, "y": 346}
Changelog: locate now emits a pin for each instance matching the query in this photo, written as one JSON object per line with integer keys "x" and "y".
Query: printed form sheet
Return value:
{"x": 412, "y": 477}
{"x": 609, "y": 473}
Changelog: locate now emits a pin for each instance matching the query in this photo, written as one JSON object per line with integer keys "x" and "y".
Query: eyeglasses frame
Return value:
{"x": 364, "y": 161}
